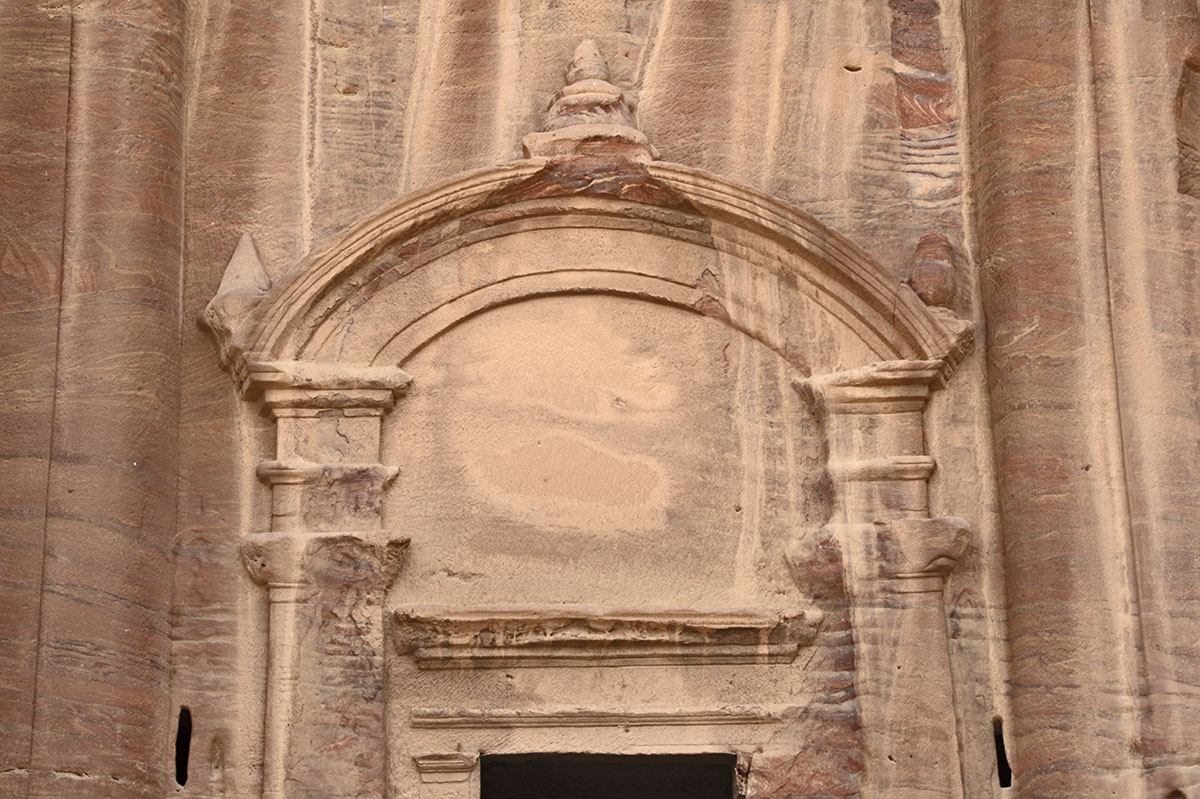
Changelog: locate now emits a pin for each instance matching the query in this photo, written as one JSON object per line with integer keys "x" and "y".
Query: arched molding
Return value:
{"x": 767, "y": 239}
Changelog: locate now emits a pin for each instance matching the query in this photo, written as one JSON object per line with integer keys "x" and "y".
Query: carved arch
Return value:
{"x": 630, "y": 205}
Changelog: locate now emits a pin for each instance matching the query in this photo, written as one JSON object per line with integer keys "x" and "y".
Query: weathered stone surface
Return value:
{"x": 99, "y": 668}
{"x": 1079, "y": 346}
{"x": 34, "y": 86}
{"x": 552, "y": 290}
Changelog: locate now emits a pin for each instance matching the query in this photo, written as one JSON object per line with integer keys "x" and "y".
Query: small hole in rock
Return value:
{"x": 852, "y": 68}
{"x": 183, "y": 745}
{"x": 1003, "y": 770}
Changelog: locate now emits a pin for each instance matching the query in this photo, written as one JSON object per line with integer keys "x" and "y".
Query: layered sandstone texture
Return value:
{"x": 611, "y": 397}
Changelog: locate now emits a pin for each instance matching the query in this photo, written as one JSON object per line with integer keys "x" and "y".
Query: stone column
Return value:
{"x": 105, "y": 458}
{"x": 1055, "y": 392}
{"x": 326, "y": 565}
{"x": 895, "y": 561}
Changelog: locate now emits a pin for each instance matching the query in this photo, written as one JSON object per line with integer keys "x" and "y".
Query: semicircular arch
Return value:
{"x": 661, "y": 232}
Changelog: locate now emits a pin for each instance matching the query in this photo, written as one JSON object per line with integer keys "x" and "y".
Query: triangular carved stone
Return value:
{"x": 243, "y": 285}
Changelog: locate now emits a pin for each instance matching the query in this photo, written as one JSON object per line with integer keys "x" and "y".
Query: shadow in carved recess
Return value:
{"x": 577, "y": 776}
{"x": 1187, "y": 127}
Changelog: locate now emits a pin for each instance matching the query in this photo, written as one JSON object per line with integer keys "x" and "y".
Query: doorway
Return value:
{"x": 584, "y": 776}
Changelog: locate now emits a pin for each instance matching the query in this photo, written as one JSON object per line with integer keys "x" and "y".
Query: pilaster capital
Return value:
{"x": 290, "y": 385}
{"x": 370, "y": 559}
{"x": 902, "y": 556}
{"x": 918, "y": 554}
{"x": 885, "y": 387}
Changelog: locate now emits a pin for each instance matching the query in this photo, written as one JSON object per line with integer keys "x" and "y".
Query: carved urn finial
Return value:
{"x": 589, "y": 115}
{"x": 587, "y": 63}
{"x": 932, "y": 275}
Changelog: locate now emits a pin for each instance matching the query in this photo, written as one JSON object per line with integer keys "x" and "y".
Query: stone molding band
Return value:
{"x": 529, "y": 636}
{"x": 457, "y": 718}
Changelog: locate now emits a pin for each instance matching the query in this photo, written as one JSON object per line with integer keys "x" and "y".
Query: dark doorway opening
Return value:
{"x": 580, "y": 776}
{"x": 1003, "y": 769}
{"x": 183, "y": 745}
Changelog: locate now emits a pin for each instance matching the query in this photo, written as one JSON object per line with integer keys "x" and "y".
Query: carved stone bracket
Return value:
{"x": 448, "y": 767}
{"x": 448, "y": 638}
{"x": 447, "y": 775}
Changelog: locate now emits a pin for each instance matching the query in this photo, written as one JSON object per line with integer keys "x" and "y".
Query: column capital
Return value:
{"x": 370, "y": 559}
{"x": 916, "y": 555}
{"x": 286, "y": 385}
{"x": 899, "y": 556}
{"x": 885, "y": 387}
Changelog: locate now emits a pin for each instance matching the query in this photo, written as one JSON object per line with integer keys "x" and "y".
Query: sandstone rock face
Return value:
{"x": 396, "y": 389}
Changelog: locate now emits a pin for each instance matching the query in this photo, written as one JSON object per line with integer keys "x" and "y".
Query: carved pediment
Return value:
{"x": 590, "y": 212}
{"x": 321, "y": 308}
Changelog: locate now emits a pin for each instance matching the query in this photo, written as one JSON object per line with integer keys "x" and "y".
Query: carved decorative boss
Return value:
{"x": 319, "y": 350}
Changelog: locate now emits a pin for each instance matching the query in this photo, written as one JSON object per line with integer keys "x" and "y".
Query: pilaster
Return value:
{"x": 895, "y": 559}
{"x": 326, "y": 565}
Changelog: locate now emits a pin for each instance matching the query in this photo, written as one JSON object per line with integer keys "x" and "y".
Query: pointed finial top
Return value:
{"x": 589, "y": 115}
{"x": 242, "y": 286}
{"x": 587, "y": 64}
{"x": 245, "y": 269}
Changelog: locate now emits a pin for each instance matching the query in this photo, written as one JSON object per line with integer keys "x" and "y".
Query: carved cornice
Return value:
{"x": 668, "y": 200}
{"x": 319, "y": 385}
{"x": 568, "y": 635}
{"x": 886, "y": 387}
{"x": 458, "y": 718}
{"x": 310, "y": 473}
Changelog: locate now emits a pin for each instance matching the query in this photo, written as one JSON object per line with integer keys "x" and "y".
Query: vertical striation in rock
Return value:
{"x": 656, "y": 406}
